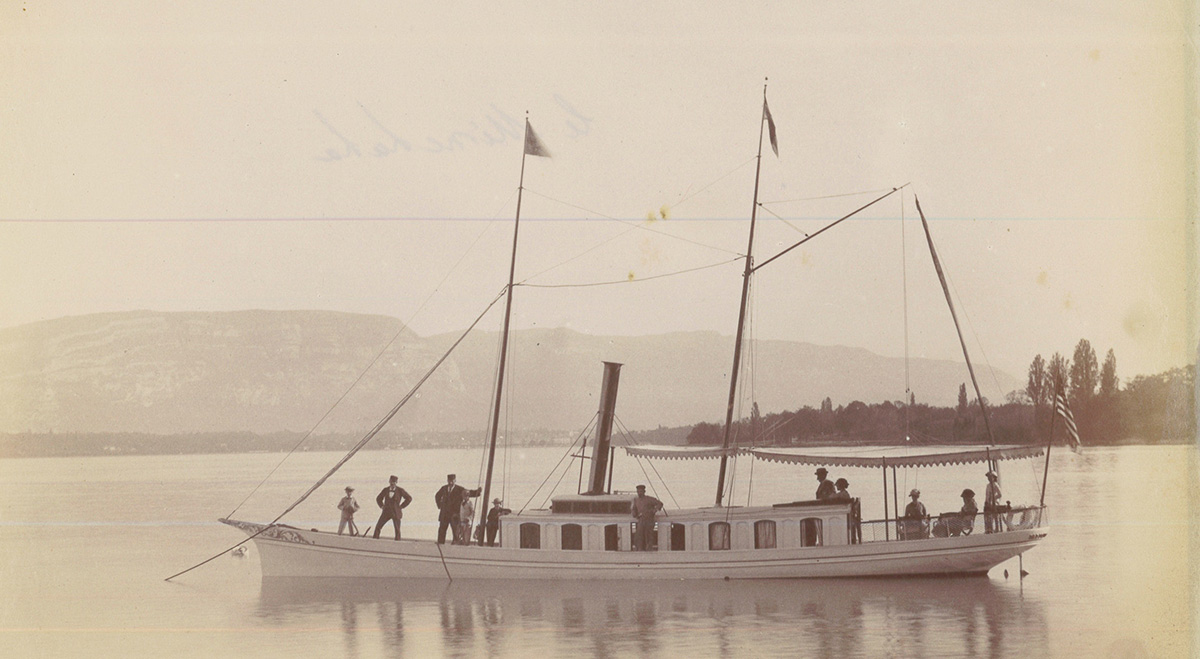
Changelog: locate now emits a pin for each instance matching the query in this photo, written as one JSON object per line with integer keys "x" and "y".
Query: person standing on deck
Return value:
{"x": 967, "y": 513}
{"x": 645, "y": 507}
{"x": 991, "y": 504}
{"x": 914, "y": 518}
{"x": 824, "y": 487}
{"x": 348, "y": 506}
{"x": 466, "y": 513}
{"x": 393, "y": 500}
{"x": 449, "y": 501}
{"x": 842, "y": 493}
{"x": 493, "y": 520}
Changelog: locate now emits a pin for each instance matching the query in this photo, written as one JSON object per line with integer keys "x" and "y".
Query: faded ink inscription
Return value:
{"x": 365, "y": 135}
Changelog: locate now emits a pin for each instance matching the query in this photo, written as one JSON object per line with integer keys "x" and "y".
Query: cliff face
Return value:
{"x": 265, "y": 371}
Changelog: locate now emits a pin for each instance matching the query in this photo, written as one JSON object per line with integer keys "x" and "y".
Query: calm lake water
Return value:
{"x": 86, "y": 542}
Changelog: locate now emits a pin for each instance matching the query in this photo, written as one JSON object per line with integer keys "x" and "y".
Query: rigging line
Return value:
{"x": 363, "y": 442}
{"x": 491, "y": 404}
{"x": 395, "y": 409}
{"x": 782, "y": 219}
{"x": 974, "y": 333}
{"x": 629, "y": 437}
{"x": 716, "y": 181}
{"x": 363, "y": 373}
{"x": 904, "y": 292}
{"x": 564, "y": 457}
{"x": 577, "y": 256}
{"x": 830, "y": 226}
{"x": 558, "y": 482}
{"x": 633, "y": 225}
{"x": 828, "y": 196}
{"x": 629, "y": 281}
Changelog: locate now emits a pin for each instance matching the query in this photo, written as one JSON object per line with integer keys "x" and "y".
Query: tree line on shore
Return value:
{"x": 1147, "y": 409}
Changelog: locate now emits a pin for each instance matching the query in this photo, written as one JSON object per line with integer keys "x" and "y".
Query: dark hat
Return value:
{"x": 842, "y": 482}
{"x": 915, "y": 493}
{"x": 393, "y": 478}
{"x": 990, "y": 474}
{"x": 497, "y": 501}
{"x": 641, "y": 488}
{"x": 968, "y": 493}
{"x": 349, "y": 488}
{"x": 821, "y": 470}
{"x": 451, "y": 477}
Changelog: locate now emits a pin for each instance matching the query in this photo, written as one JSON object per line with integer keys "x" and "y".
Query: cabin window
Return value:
{"x": 718, "y": 535}
{"x": 678, "y": 537}
{"x": 764, "y": 534}
{"x": 810, "y": 532}
{"x": 531, "y": 536}
{"x": 612, "y": 538}
{"x": 572, "y": 536}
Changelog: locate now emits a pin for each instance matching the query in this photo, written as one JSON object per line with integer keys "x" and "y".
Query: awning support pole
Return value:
{"x": 886, "y": 516}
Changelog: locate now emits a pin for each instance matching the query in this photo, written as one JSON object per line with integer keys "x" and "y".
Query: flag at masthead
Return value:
{"x": 534, "y": 146}
{"x": 770, "y": 126}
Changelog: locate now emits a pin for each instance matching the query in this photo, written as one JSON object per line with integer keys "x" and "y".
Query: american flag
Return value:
{"x": 1062, "y": 409}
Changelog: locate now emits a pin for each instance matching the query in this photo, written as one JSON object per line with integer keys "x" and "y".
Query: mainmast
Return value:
{"x": 533, "y": 147}
{"x": 741, "y": 326}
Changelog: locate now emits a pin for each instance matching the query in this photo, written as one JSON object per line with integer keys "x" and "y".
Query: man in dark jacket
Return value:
{"x": 493, "y": 521}
{"x": 393, "y": 500}
{"x": 449, "y": 501}
{"x": 825, "y": 488}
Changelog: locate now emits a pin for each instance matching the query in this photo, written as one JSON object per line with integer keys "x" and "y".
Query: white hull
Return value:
{"x": 287, "y": 552}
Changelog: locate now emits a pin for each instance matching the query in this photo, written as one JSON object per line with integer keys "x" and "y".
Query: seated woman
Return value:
{"x": 915, "y": 522}
{"x": 966, "y": 516}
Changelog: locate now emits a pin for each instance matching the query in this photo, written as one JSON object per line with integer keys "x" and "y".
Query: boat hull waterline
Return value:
{"x": 290, "y": 552}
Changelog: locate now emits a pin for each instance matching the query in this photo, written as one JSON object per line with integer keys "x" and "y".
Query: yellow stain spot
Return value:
{"x": 664, "y": 212}
{"x": 1043, "y": 278}
{"x": 805, "y": 258}
{"x": 1094, "y": 54}
{"x": 1068, "y": 303}
{"x": 650, "y": 217}
{"x": 631, "y": 276}
{"x": 1139, "y": 321}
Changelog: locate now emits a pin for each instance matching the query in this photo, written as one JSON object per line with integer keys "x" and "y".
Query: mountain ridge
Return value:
{"x": 268, "y": 371}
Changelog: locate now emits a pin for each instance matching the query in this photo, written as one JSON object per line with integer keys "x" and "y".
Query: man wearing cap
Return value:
{"x": 825, "y": 488}
{"x": 449, "y": 501}
{"x": 644, "y": 509}
{"x": 348, "y": 506}
{"x": 991, "y": 504}
{"x": 493, "y": 521}
{"x": 393, "y": 500}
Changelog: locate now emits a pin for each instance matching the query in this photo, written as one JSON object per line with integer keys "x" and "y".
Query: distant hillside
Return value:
{"x": 269, "y": 371}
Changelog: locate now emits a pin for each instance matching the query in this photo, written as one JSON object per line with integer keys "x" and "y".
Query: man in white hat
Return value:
{"x": 348, "y": 506}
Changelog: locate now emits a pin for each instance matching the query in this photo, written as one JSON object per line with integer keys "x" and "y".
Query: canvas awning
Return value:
{"x": 949, "y": 457}
{"x": 682, "y": 452}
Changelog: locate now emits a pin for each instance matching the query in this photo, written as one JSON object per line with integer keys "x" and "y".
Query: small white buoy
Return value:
{"x": 239, "y": 552}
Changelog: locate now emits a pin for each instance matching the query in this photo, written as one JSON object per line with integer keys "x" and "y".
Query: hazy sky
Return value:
{"x": 219, "y": 156}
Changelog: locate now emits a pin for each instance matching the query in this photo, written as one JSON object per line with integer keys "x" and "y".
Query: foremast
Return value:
{"x": 533, "y": 147}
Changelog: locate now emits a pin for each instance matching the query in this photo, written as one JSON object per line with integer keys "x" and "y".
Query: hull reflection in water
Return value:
{"x": 864, "y": 617}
